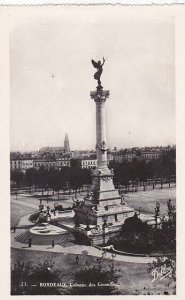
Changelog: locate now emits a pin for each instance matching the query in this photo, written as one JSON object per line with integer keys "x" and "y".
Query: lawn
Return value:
{"x": 18, "y": 211}
{"x": 146, "y": 200}
{"x": 133, "y": 277}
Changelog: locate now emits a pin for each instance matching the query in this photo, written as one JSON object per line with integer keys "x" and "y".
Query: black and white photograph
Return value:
{"x": 92, "y": 151}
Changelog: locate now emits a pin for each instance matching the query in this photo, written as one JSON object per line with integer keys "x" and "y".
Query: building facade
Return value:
{"x": 63, "y": 162}
{"x": 148, "y": 155}
{"x": 88, "y": 163}
{"x": 121, "y": 155}
{"x": 21, "y": 164}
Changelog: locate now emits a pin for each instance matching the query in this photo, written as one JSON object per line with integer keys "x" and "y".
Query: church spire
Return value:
{"x": 66, "y": 143}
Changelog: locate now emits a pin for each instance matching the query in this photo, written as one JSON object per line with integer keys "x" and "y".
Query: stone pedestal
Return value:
{"x": 103, "y": 206}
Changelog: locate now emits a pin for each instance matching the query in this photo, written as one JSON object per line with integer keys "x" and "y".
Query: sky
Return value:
{"x": 51, "y": 77}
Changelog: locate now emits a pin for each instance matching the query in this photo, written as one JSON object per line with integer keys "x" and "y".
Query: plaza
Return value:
{"x": 64, "y": 253}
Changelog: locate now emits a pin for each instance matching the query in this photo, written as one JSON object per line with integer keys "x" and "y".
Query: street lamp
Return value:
{"x": 104, "y": 225}
{"x": 169, "y": 203}
{"x": 157, "y": 211}
{"x": 171, "y": 209}
{"x": 139, "y": 211}
{"x": 41, "y": 206}
{"x": 48, "y": 215}
{"x": 87, "y": 227}
{"x": 113, "y": 255}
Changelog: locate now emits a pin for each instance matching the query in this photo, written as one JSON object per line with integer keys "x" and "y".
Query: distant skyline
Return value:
{"x": 30, "y": 150}
{"x": 51, "y": 77}
{"x": 93, "y": 149}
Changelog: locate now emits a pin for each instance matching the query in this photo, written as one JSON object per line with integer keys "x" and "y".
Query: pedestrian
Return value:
{"x": 53, "y": 243}
{"x": 77, "y": 259}
{"x": 87, "y": 262}
{"x": 104, "y": 254}
{"x": 29, "y": 242}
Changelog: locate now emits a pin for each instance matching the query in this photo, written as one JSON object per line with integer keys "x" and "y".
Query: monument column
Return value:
{"x": 103, "y": 206}
{"x": 100, "y": 97}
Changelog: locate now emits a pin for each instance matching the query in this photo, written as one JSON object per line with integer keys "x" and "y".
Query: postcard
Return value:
{"x": 93, "y": 151}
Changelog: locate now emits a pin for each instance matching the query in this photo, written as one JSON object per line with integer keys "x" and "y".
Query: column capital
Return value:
{"x": 100, "y": 96}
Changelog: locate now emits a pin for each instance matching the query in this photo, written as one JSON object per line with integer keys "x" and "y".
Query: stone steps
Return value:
{"x": 65, "y": 240}
{"x": 23, "y": 237}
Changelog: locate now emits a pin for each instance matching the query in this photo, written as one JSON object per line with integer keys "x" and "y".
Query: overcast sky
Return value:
{"x": 51, "y": 77}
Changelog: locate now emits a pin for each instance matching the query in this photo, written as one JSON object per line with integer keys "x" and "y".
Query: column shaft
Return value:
{"x": 101, "y": 133}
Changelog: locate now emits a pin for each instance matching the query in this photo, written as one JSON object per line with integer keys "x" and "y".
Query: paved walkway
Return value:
{"x": 75, "y": 249}
{"x": 63, "y": 214}
{"x": 25, "y": 203}
{"x": 36, "y": 205}
{"x": 82, "y": 249}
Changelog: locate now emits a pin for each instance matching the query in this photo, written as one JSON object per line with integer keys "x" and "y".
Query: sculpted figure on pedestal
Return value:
{"x": 102, "y": 146}
{"x": 99, "y": 66}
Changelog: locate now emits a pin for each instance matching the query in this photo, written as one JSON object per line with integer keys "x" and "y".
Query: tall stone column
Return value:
{"x": 100, "y": 97}
{"x": 103, "y": 206}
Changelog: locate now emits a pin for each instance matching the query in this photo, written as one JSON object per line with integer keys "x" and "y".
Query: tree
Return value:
{"x": 142, "y": 170}
{"x": 138, "y": 237}
{"x": 17, "y": 176}
{"x": 55, "y": 180}
{"x": 133, "y": 225}
{"x": 42, "y": 178}
{"x": 96, "y": 280}
{"x": 51, "y": 179}
{"x": 26, "y": 278}
{"x": 133, "y": 236}
{"x": 86, "y": 176}
{"x": 121, "y": 174}
{"x": 30, "y": 177}
{"x": 139, "y": 170}
{"x": 75, "y": 179}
